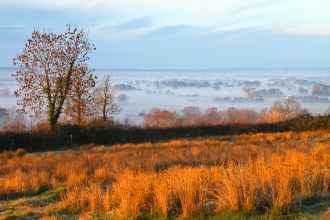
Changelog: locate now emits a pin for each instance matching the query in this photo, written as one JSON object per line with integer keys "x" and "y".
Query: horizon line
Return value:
{"x": 210, "y": 69}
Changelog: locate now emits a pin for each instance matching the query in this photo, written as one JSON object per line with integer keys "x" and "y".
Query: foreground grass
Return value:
{"x": 259, "y": 176}
{"x": 43, "y": 207}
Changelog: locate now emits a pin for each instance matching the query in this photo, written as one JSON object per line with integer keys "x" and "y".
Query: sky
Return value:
{"x": 179, "y": 34}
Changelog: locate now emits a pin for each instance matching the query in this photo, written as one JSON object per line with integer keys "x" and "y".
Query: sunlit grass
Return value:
{"x": 245, "y": 175}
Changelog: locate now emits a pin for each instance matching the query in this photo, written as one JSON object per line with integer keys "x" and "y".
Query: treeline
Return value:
{"x": 73, "y": 136}
{"x": 282, "y": 110}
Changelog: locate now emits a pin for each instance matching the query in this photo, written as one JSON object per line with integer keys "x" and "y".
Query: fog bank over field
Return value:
{"x": 221, "y": 88}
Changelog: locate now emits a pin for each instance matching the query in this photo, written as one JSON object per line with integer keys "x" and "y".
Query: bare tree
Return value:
{"x": 211, "y": 116}
{"x": 79, "y": 104}
{"x": 127, "y": 121}
{"x": 191, "y": 115}
{"x": 103, "y": 100}
{"x": 47, "y": 68}
{"x": 247, "y": 115}
{"x": 13, "y": 121}
{"x": 327, "y": 111}
{"x": 231, "y": 115}
{"x": 158, "y": 118}
{"x": 285, "y": 109}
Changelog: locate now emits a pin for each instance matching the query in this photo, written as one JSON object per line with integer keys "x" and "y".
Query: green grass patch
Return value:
{"x": 54, "y": 194}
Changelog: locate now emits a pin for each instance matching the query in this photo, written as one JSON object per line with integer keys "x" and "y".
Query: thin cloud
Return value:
{"x": 205, "y": 14}
{"x": 229, "y": 30}
{"x": 131, "y": 28}
{"x": 134, "y": 24}
{"x": 250, "y": 7}
{"x": 169, "y": 29}
{"x": 305, "y": 30}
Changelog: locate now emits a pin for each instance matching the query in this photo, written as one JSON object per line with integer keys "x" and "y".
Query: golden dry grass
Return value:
{"x": 180, "y": 178}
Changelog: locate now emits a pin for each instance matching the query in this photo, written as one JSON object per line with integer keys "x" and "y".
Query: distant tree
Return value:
{"x": 250, "y": 91}
{"x": 103, "y": 100}
{"x": 231, "y": 115}
{"x": 142, "y": 114}
{"x": 127, "y": 121}
{"x": 41, "y": 126}
{"x": 191, "y": 115}
{"x": 327, "y": 111}
{"x": 211, "y": 116}
{"x": 263, "y": 116}
{"x": 253, "y": 83}
{"x": 244, "y": 115}
{"x": 122, "y": 98}
{"x": 247, "y": 115}
{"x": 285, "y": 109}
{"x": 4, "y": 112}
{"x": 13, "y": 121}
{"x": 301, "y": 90}
{"x": 272, "y": 92}
{"x": 158, "y": 118}
{"x": 47, "y": 68}
{"x": 216, "y": 87}
{"x": 320, "y": 89}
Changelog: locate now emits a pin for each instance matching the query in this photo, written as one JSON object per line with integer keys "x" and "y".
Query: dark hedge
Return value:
{"x": 71, "y": 136}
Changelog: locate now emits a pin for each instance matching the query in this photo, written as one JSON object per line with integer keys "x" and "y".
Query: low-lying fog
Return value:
{"x": 174, "y": 90}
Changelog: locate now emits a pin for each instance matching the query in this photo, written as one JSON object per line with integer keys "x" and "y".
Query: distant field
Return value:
{"x": 259, "y": 176}
{"x": 284, "y": 79}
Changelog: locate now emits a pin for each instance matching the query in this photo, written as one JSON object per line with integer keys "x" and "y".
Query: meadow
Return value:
{"x": 258, "y": 176}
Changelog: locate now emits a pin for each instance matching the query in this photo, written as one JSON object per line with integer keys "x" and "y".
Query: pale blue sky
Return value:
{"x": 154, "y": 34}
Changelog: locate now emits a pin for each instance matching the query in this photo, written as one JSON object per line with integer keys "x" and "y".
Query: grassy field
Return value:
{"x": 258, "y": 176}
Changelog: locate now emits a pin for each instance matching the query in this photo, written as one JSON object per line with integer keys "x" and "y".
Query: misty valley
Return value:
{"x": 175, "y": 89}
